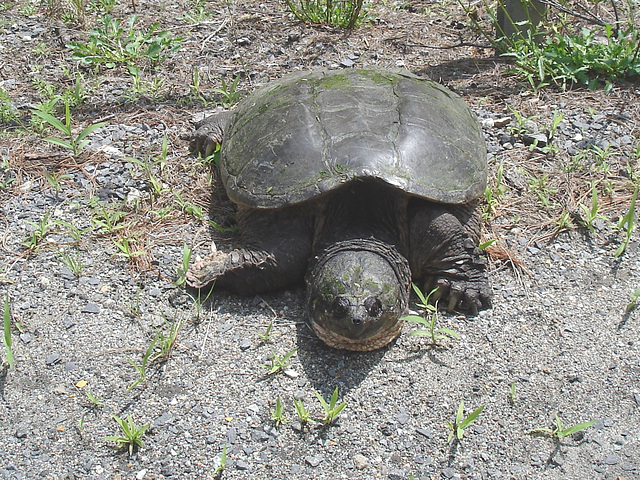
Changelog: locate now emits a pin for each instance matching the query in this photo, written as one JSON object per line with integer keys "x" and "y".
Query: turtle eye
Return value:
{"x": 340, "y": 306}
{"x": 373, "y": 305}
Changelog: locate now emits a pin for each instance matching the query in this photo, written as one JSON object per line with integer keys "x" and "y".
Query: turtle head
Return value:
{"x": 356, "y": 296}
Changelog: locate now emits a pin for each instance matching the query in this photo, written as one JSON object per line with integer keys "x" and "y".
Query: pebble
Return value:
{"x": 52, "y": 359}
{"x": 611, "y": 460}
{"x": 90, "y": 308}
{"x": 314, "y": 461}
{"x": 360, "y": 461}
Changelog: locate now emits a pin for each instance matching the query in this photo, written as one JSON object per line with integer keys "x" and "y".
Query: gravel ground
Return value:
{"x": 559, "y": 332}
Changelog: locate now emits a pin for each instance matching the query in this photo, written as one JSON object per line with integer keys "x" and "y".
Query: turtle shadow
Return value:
{"x": 327, "y": 368}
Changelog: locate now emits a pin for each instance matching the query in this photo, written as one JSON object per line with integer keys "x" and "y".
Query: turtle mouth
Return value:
{"x": 334, "y": 340}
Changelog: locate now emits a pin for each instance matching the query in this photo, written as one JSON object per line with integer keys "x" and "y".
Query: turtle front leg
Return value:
{"x": 444, "y": 254}
{"x": 276, "y": 250}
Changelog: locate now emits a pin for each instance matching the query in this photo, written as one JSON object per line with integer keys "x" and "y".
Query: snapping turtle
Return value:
{"x": 357, "y": 182}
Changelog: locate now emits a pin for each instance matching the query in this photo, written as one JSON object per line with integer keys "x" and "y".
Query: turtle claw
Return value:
{"x": 206, "y": 271}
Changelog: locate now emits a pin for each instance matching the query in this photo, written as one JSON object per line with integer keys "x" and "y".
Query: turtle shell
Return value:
{"x": 310, "y": 132}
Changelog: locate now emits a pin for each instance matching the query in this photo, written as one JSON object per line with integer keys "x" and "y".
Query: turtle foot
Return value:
{"x": 206, "y": 271}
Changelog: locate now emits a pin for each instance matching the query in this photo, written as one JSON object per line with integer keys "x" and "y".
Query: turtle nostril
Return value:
{"x": 356, "y": 321}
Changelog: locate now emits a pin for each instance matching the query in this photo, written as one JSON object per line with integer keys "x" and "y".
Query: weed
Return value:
{"x": 456, "y": 428}
{"x": 492, "y": 195}
{"x": 584, "y": 58}
{"x": 147, "y": 166}
{"x": 182, "y": 272}
{"x": 106, "y": 219}
{"x": 72, "y": 263}
{"x": 331, "y": 409}
{"x": 7, "y": 110}
{"x": 277, "y": 364}
{"x": 126, "y": 247}
{"x": 33, "y": 241}
{"x": 277, "y": 415}
{"x": 430, "y": 311}
{"x": 189, "y": 208}
{"x": 563, "y": 223}
{"x": 220, "y": 462}
{"x": 131, "y": 434}
{"x": 75, "y": 232}
{"x": 116, "y": 44}
{"x": 633, "y": 300}
{"x": 229, "y": 93}
{"x": 166, "y": 343}
{"x": 627, "y": 222}
{"x": 512, "y": 393}
{"x": 7, "y": 332}
{"x": 344, "y": 13}
{"x": 103, "y": 6}
{"x": 590, "y": 213}
{"x": 142, "y": 368}
{"x": 267, "y": 335}
{"x": 540, "y": 186}
{"x": 54, "y": 180}
{"x": 559, "y": 431}
{"x": 72, "y": 142}
{"x": 303, "y": 415}
{"x": 93, "y": 399}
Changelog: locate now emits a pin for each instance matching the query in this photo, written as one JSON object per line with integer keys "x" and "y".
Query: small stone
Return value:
{"x": 245, "y": 344}
{"x": 396, "y": 474}
{"x": 313, "y": 460}
{"x": 448, "y": 472}
{"x": 611, "y": 460}
{"x": 538, "y": 139}
{"x": 360, "y": 461}
{"x": 347, "y": 62}
{"x": 242, "y": 465}
{"x": 155, "y": 292}
{"x": 425, "y": 432}
{"x": 52, "y": 359}
{"x": 26, "y": 338}
{"x": 627, "y": 467}
{"x": 232, "y": 435}
{"x": 402, "y": 418}
{"x": 636, "y": 397}
{"x": 22, "y": 431}
{"x": 90, "y": 308}
{"x": 140, "y": 475}
{"x": 162, "y": 420}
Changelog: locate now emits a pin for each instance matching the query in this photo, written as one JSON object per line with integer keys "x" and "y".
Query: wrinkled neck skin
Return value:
{"x": 357, "y": 290}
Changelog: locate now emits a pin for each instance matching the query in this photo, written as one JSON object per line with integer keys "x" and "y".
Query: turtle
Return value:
{"x": 357, "y": 183}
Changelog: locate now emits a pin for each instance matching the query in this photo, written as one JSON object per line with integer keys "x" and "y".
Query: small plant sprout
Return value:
{"x": 456, "y": 428}
{"x": 303, "y": 414}
{"x": 142, "y": 368}
{"x": 590, "y": 213}
{"x": 331, "y": 409}
{"x": 559, "y": 431}
{"x": 277, "y": 364}
{"x": 267, "y": 335}
{"x": 182, "y": 272}
{"x": 94, "y": 399}
{"x": 166, "y": 343}
{"x": 131, "y": 434}
{"x": 75, "y": 143}
{"x": 512, "y": 392}
{"x": 633, "y": 300}
{"x": 104, "y": 218}
{"x": 428, "y": 318}
{"x": 220, "y": 462}
{"x": 627, "y": 222}
{"x": 277, "y": 415}
{"x": 6, "y": 338}
{"x": 33, "y": 241}
{"x": 74, "y": 265}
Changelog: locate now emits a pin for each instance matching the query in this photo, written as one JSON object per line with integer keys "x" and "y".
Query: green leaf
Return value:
{"x": 53, "y": 121}
{"x": 467, "y": 421}
{"x": 7, "y": 331}
{"x": 448, "y": 331}
{"x": 575, "y": 428}
{"x": 90, "y": 129}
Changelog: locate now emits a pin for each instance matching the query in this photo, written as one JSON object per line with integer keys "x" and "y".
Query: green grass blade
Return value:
{"x": 7, "y": 332}
{"x": 53, "y": 121}
{"x": 575, "y": 429}
{"x": 60, "y": 142}
{"x": 467, "y": 421}
{"x": 90, "y": 129}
